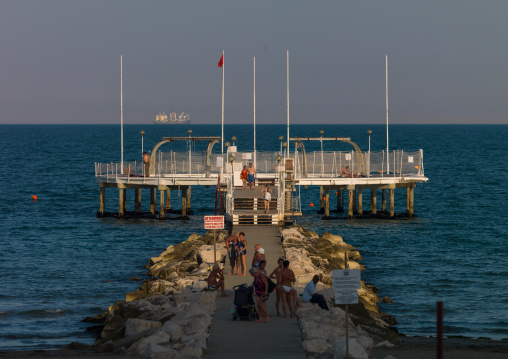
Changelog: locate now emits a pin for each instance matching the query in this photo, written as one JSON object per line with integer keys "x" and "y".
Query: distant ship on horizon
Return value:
{"x": 162, "y": 119}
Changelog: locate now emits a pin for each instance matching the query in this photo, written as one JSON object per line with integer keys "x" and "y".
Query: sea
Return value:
{"x": 59, "y": 263}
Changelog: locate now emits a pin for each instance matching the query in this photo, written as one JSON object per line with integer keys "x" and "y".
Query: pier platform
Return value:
{"x": 280, "y": 338}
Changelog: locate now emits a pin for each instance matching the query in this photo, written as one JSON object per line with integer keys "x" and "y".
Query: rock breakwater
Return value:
{"x": 169, "y": 316}
{"x": 323, "y": 332}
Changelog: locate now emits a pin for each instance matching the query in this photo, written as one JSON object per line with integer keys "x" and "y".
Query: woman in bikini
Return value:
{"x": 274, "y": 275}
{"x": 230, "y": 246}
{"x": 286, "y": 278}
{"x": 241, "y": 253}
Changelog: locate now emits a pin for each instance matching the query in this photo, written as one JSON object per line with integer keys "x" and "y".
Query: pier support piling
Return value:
{"x": 411, "y": 201}
{"x": 102, "y": 200}
{"x": 354, "y": 201}
{"x": 383, "y": 200}
{"x": 137, "y": 200}
{"x": 121, "y": 202}
{"x": 321, "y": 200}
{"x": 153, "y": 201}
{"x": 184, "y": 201}
{"x": 161, "y": 203}
{"x": 327, "y": 203}
{"x": 339, "y": 201}
{"x": 407, "y": 199}
{"x": 392, "y": 202}
{"x": 360, "y": 201}
{"x": 188, "y": 198}
{"x": 168, "y": 200}
{"x": 351, "y": 203}
{"x": 373, "y": 201}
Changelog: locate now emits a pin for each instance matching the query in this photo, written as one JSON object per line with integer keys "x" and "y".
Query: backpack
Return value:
{"x": 259, "y": 286}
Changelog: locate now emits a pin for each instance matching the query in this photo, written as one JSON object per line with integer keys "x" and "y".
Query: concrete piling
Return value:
{"x": 360, "y": 201}
{"x": 383, "y": 200}
{"x": 153, "y": 201}
{"x": 373, "y": 201}
{"x": 137, "y": 200}
{"x": 184, "y": 201}
{"x": 392, "y": 202}
{"x": 161, "y": 204}
{"x": 327, "y": 203}
{"x": 351, "y": 203}
{"x": 121, "y": 200}
{"x": 102, "y": 200}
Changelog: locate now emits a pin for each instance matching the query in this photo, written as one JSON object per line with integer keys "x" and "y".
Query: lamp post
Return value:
{"x": 321, "y": 132}
{"x": 142, "y": 132}
{"x": 369, "y": 132}
{"x": 281, "y": 138}
{"x": 190, "y": 151}
{"x": 234, "y": 139}
{"x": 231, "y": 159}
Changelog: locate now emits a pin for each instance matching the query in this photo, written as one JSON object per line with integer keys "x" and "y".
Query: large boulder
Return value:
{"x": 156, "y": 351}
{"x": 205, "y": 253}
{"x": 356, "y": 351}
{"x": 140, "y": 347}
{"x": 136, "y": 326}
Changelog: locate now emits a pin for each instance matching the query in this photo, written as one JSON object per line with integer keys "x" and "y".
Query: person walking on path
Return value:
{"x": 267, "y": 195}
{"x": 216, "y": 280}
{"x": 241, "y": 252}
{"x": 243, "y": 177}
{"x": 311, "y": 296}
{"x": 286, "y": 278}
{"x": 259, "y": 255}
{"x": 251, "y": 176}
{"x": 231, "y": 248}
{"x": 275, "y": 275}
{"x": 146, "y": 161}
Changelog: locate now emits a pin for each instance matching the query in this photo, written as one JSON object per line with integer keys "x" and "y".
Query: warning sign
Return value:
{"x": 346, "y": 279}
{"x": 214, "y": 222}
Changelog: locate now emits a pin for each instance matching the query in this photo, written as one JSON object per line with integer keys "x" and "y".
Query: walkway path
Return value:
{"x": 280, "y": 338}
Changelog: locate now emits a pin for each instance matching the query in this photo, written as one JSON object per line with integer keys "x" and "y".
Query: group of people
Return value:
{"x": 346, "y": 172}
{"x": 248, "y": 176}
{"x": 263, "y": 284}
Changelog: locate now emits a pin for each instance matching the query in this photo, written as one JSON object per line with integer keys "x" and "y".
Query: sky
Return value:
{"x": 447, "y": 60}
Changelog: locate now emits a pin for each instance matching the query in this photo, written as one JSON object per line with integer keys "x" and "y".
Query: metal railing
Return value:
{"x": 314, "y": 164}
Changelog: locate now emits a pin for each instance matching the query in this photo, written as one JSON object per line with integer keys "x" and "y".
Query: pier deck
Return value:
{"x": 280, "y": 338}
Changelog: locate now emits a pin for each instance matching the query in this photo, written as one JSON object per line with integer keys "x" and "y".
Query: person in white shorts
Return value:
{"x": 267, "y": 195}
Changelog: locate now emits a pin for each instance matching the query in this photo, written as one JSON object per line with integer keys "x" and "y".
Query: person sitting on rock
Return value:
{"x": 311, "y": 296}
{"x": 216, "y": 280}
{"x": 259, "y": 255}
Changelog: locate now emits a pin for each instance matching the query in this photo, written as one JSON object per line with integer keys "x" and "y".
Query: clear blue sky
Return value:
{"x": 60, "y": 60}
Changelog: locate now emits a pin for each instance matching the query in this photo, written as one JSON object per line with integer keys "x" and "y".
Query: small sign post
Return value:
{"x": 346, "y": 283}
{"x": 214, "y": 222}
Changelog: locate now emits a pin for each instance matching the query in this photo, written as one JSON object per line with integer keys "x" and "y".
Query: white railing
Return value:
{"x": 315, "y": 164}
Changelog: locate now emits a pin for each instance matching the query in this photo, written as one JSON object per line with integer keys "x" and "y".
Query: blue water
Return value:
{"x": 59, "y": 263}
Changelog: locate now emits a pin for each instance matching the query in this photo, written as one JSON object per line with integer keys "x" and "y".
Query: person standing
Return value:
{"x": 275, "y": 275}
{"x": 241, "y": 252}
{"x": 243, "y": 177}
{"x": 230, "y": 246}
{"x": 259, "y": 255}
{"x": 251, "y": 176}
{"x": 267, "y": 195}
{"x": 311, "y": 296}
{"x": 146, "y": 162}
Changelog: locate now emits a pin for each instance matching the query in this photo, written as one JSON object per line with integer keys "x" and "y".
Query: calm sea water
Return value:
{"x": 59, "y": 263}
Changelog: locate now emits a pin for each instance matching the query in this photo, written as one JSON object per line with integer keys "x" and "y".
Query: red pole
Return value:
{"x": 439, "y": 330}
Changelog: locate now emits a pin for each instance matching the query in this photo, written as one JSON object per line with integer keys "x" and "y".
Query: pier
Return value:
{"x": 357, "y": 178}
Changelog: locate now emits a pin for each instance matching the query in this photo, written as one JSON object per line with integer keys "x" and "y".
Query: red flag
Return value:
{"x": 221, "y": 61}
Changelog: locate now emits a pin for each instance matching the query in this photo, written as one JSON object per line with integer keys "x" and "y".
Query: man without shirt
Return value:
{"x": 251, "y": 176}
{"x": 216, "y": 280}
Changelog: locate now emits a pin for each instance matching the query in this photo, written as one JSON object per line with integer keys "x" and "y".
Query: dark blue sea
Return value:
{"x": 59, "y": 263}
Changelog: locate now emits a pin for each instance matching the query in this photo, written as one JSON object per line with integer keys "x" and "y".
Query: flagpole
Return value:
{"x": 222, "y": 133}
{"x": 121, "y": 112}
{"x": 387, "y": 156}
{"x": 287, "y": 75}
{"x": 254, "y": 111}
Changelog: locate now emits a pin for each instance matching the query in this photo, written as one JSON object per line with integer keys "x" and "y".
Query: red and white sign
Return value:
{"x": 214, "y": 222}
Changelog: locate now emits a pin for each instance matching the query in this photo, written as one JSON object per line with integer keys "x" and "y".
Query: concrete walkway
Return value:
{"x": 280, "y": 338}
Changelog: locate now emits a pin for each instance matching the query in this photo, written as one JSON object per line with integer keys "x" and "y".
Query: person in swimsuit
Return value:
{"x": 274, "y": 275}
{"x": 241, "y": 252}
{"x": 261, "y": 289}
{"x": 251, "y": 176}
{"x": 230, "y": 246}
{"x": 259, "y": 255}
{"x": 267, "y": 195}
{"x": 146, "y": 161}
{"x": 243, "y": 177}
{"x": 286, "y": 278}
{"x": 216, "y": 280}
